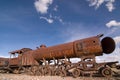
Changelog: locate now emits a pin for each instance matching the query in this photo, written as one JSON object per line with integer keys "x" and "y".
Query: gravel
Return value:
{"x": 28, "y": 77}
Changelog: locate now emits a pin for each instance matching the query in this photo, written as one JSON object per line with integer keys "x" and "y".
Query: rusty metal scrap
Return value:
{"x": 79, "y": 48}
{"x": 38, "y": 62}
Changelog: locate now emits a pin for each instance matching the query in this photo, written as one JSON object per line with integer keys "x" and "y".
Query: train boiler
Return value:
{"x": 84, "y": 47}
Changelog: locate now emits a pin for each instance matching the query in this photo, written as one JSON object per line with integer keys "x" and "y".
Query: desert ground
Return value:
{"x": 28, "y": 77}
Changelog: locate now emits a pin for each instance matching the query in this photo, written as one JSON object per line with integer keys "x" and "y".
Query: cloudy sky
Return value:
{"x": 29, "y": 23}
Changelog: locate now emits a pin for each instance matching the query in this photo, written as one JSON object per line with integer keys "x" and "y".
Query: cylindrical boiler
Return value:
{"x": 78, "y": 48}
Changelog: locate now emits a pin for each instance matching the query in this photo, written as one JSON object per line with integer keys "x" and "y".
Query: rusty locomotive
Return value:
{"x": 55, "y": 60}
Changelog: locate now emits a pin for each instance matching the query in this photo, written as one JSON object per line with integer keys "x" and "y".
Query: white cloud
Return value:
{"x": 4, "y": 56}
{"x": 99, "y": 3}
{"x": 47, "y": 19}
{"x": 52, "y": 19}
{"x": 59, "y": 19}
{"x": 108, "y": 3}
{"x": 92, "y": 2}
{"x": 96, "y": 3}
{"x": 113, "y": 23}
{"x": 107, "y": 58}
{"x": 117, "y": 39}
{"x": 42, "y": 5}
{"x": 50, "y": 16}
{"x": 56, "y": 8}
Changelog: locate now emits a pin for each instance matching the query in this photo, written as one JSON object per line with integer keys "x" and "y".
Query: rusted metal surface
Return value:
{"x": 27, "y": 59}
{"x": 118, "y": 66}
{"x": 14, "y": 61}
{"x": 20, "y": 51}
{"x": 22, "y": 57}
{"x": 3, "y": 61}
{"x": 79, "y": 48}
{"x": 38, "y": 62}
{"x": 88, "y": 46}
{"x": 57, "y": 52}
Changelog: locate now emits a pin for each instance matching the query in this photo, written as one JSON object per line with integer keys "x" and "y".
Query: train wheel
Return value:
{"x": 38, "y": 73}
{"x": 61, "y": 67}
{"x": 61, "y": 73}
{"x": 28, "y": 70}
{"x": 42, "y": 71}
{"x": 76, "y": 73}
{"x": 34, "y": 69}
{"x": 106, "y": 72}
{"x": 22, "y": 70}
{"x": 46, "y": 71}
{"x": 53, "y": 69}
{"x": 57, "y": 72}
{"x": 16, "y": 71}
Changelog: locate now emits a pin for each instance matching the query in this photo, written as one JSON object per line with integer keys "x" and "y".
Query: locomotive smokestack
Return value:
{"x": 108, "y": 45}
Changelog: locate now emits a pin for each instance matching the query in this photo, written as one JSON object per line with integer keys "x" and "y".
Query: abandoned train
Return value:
{"x": 55, "y": 60}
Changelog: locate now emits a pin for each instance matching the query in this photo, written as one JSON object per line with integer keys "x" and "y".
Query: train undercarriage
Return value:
{"x": 64, "y": 67}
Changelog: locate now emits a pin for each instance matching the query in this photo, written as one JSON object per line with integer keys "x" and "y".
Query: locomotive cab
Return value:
{"x": 14, "y": 58}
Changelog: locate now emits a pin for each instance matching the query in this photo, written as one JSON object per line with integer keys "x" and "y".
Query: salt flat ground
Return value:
{"x": 28, "y": 77}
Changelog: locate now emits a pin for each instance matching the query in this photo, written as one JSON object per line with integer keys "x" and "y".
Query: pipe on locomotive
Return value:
{"x": 84, "y": 47}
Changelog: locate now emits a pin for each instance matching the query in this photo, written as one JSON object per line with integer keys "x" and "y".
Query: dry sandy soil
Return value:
{"x": 28, "y": 77}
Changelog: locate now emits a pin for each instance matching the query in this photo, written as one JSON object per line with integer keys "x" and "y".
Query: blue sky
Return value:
{"x": 29, "y": 23}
